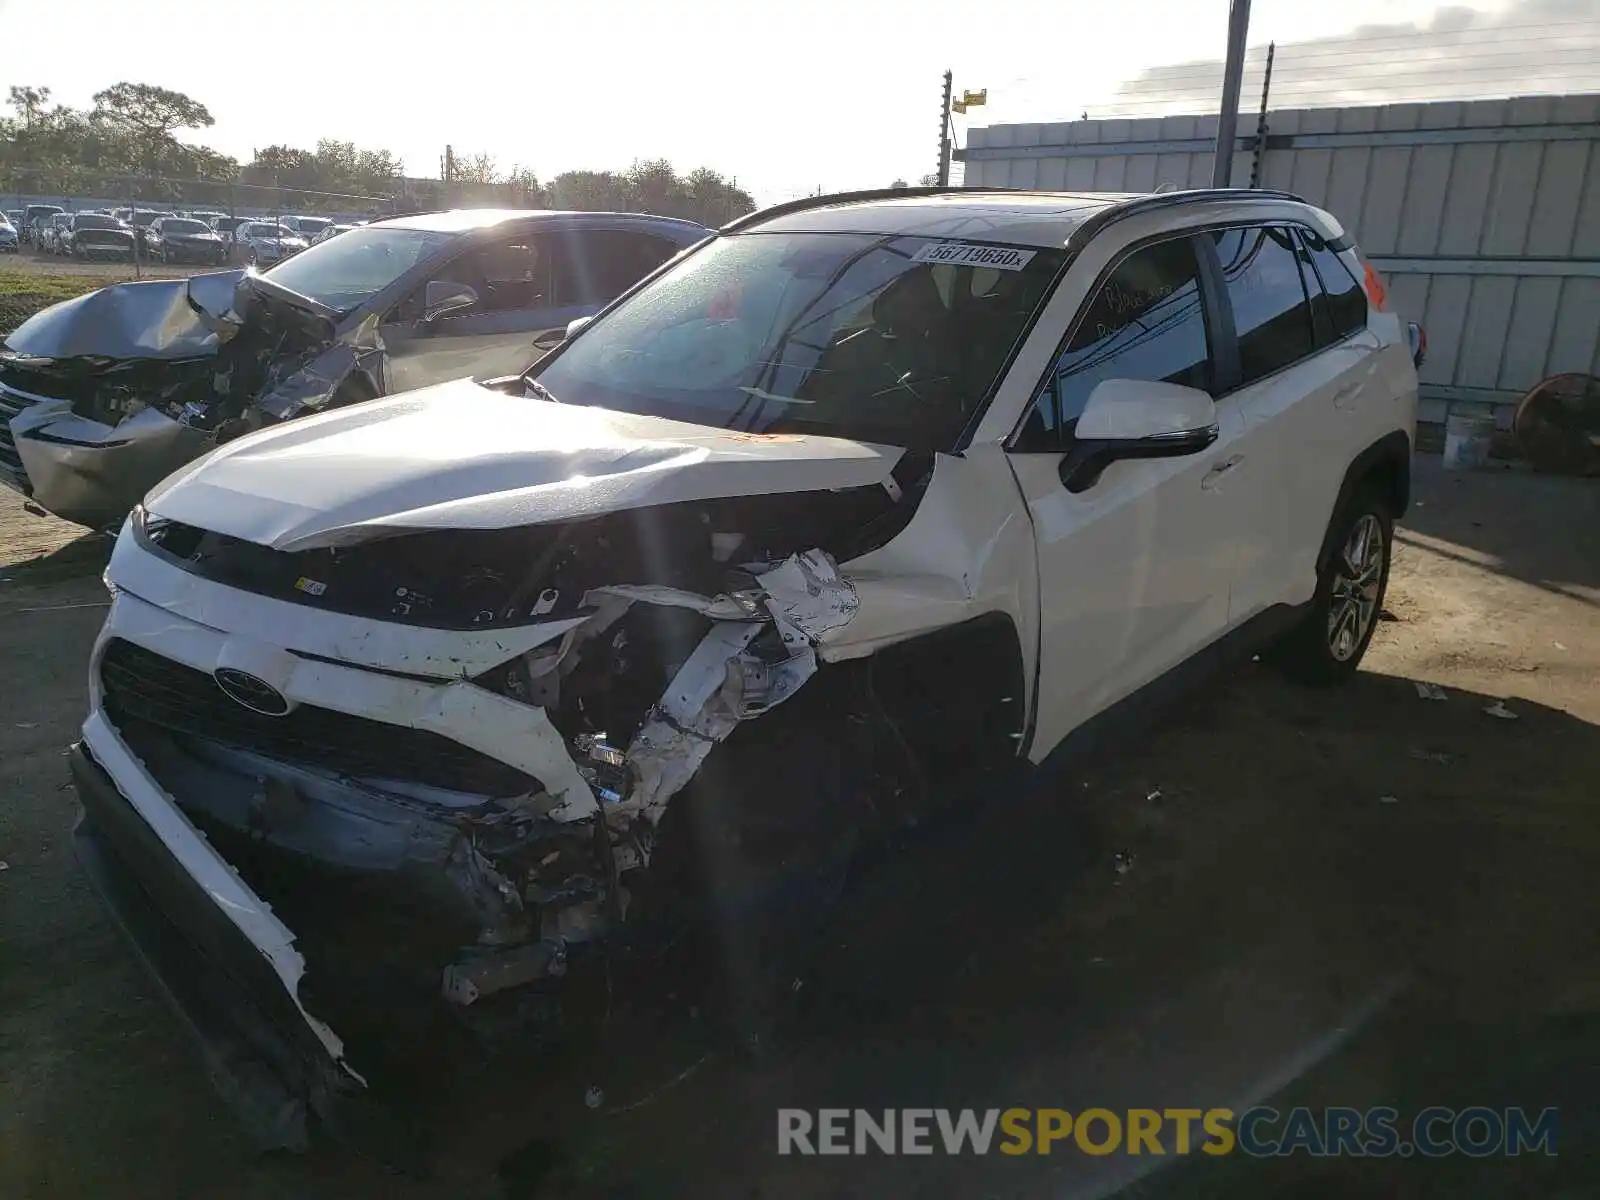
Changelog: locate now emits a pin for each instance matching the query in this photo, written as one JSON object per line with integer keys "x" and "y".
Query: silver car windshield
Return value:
{"x": 346, "y": 271}
{"x": 877, "y": 337}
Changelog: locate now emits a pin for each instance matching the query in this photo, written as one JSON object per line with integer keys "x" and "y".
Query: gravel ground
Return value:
{"x": 1282, "y": 932}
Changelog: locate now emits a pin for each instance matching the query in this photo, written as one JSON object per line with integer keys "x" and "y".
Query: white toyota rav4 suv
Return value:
{"x": 402, "y": 708}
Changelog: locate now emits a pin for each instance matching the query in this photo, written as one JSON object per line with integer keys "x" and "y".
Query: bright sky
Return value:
{"x": 783, "y": 95}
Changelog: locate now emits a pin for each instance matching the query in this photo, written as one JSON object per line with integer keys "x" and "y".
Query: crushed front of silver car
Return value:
{"x": 102, "y": 394}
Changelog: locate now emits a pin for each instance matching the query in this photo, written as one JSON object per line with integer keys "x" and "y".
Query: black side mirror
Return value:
{"x": 441, "y": 297}
{"x": 1129, "y": 418}
{"x": 1083, "y": 465}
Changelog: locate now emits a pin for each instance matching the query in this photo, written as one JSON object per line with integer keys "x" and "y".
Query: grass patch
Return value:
{"x": 23, "y": 293}
{"x": 53, "y": 288}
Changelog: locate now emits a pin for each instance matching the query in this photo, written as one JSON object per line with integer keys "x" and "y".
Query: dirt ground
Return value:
{"x": 1353, "y": 897}
{"x": 28, "y": 262}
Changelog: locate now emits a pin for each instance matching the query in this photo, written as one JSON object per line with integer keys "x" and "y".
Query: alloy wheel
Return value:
{"x": 1357, "y": 579}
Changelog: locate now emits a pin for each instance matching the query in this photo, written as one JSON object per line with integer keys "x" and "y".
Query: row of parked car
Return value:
{"x": 170, "y": 237}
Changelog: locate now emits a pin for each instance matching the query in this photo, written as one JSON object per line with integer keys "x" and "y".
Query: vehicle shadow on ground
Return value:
{"x": 1512, "y": 521}
{"x": 1001, "y": 959}
{"x": 1271, "y": 887}
{"x": 83, "y": 557}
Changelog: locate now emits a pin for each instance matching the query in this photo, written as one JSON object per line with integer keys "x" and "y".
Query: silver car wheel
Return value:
{"x": 1357, "y": 580}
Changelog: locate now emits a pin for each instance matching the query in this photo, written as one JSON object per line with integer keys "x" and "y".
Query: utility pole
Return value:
{"x": 944, "y": 132}
{"x": 1232, "y": 83}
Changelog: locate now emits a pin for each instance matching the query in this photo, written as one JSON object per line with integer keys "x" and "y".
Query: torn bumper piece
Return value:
{"x": 266, "y": 1061}
{"x": 89, "y": 472}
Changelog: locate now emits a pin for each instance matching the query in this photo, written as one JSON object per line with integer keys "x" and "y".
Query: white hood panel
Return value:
{"x": 459, "y": 456}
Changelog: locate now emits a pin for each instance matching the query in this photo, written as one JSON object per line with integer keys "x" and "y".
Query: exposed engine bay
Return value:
{"x": 198, "y": 350}
{"x": 402, "y": 857}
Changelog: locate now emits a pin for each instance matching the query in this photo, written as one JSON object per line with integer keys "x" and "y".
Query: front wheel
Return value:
{"x": 1329, "y": 643}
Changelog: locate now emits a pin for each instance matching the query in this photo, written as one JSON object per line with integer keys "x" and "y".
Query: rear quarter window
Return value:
{"x": 1343, "y": 303}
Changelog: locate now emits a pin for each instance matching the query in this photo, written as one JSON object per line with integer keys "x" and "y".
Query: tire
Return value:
{"x": 354, "y": 390}
{"x": 1328, "y": 645}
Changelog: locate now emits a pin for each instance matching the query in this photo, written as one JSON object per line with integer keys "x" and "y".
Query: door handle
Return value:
{"x": 1214, "y": 476}
{"x": 1346, "y": 395}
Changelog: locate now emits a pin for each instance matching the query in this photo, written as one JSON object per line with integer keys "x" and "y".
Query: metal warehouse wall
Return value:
{"x": 1484, "y": 216}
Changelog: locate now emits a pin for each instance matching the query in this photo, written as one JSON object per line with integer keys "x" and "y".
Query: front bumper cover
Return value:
{"x": 264, "y": 1059}
{"x": 86, "y": 471}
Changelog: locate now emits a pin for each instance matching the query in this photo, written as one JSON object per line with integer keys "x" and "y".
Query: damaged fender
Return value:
{"x": 722, "y": 683}
{"x": 111, "y": 392}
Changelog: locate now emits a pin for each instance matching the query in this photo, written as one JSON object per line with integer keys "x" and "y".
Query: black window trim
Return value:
{"x": 1301, "y": 228}
{"x": 1221, "y": 330}
{"x": 1216, "y": 315}
{"x": 1236, "y": 383}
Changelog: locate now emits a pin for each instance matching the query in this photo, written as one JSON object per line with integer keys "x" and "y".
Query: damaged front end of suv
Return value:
{"x": 102, "y": 395}
{"x": 414, "y": 716}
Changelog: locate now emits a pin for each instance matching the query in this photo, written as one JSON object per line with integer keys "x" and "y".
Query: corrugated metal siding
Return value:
{"x": 1493, "y": 245}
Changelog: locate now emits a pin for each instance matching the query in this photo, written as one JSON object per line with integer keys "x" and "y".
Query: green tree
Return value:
{"x": 654, "y": 187}
{"x": 477, "y": 169}
{"x": 29, "y": 102}
{"x": 150, "y": 112}
{"x": 714, "y": 200}
{"x": 589, "y": 191}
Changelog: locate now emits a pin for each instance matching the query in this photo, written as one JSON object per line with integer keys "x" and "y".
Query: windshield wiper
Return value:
{"x": 537, "y": 389}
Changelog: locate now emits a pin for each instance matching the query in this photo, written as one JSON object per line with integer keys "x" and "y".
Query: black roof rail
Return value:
{"x": 809, "y": 202}
{"x": 1156, "y": 201}
{"x": 1153, "y": 201}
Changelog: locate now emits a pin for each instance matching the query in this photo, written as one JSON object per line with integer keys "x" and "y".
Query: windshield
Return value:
{"x": 96, "y": 222}
{"x": 877, "y": 337}
{"x": 269, "y": 231}
{"x": 346, "y": 271}
{"x": 183, "y": 226}
{"x": 144, "y": 218}
{"x": 312, "y": 224}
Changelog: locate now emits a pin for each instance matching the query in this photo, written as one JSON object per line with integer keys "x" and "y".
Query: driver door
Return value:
{"x": 1134, "y": 570}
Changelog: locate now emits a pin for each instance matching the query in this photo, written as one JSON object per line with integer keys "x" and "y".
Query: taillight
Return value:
{"x": 1377, "y": 294}
{"x": 1418, "y": 338}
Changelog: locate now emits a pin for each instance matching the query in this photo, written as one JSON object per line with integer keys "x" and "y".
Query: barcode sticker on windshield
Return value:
{"x": 965, "y": 254}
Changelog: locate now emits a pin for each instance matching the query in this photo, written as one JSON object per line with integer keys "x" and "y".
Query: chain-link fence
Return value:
{"x": 44, "y": 271}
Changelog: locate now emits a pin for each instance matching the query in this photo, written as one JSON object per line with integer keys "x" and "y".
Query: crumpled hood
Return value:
{"x": 153, "y": 318}
{"x": 460, "y": 456}
{"x": 150, "y": 319}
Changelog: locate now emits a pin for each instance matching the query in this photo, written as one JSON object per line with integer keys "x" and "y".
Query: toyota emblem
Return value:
{"x": 253, "y": 693}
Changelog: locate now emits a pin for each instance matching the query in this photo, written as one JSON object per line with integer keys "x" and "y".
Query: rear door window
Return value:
{"x": 595, "y": 266}
{"x": 1340, "y": 303}
{"x": 1271, "y": 311}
